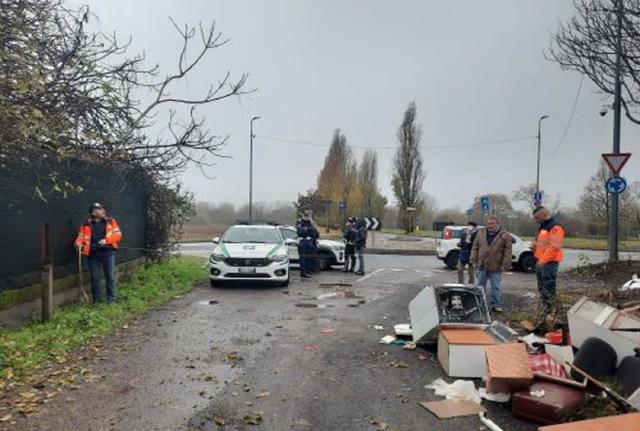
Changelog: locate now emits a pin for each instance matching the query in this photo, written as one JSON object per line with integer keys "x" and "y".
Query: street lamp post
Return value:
{"x": 539, "y": 147}
{"x": 251, "y": 167}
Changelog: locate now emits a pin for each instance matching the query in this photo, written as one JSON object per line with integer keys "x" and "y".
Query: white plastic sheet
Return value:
{"x": 458, "y": 390}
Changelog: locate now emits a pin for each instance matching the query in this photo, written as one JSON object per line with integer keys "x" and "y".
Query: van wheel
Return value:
{"x": 452, "y": 259}
{"x": 527, "y": 262}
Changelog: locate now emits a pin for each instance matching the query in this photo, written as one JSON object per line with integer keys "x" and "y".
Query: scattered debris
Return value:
{"x": 450, "y": 304}
{"x": 263, "y": 394}
{"x": 380, "y": 426}
{"x": 460, "y": 390}
{"x": 461, "y": 352}
{"x": 399, "y": 342}
{"x": 489, "y": 423}
{"x": 548, "y": 402}
{"x": 219, "y": 420}
{"x": 588, "y": 319}
{"x": 311, "y": 347}
{"x": 306, "y": 305}
{"x": 445, "y": 409}
{"x": 508, "y": 368}
{"x": 546, "y": 364}
{"x": 620, "y": 422}
{"x": 378, "y": 327}
{"x": 340, "y": 293}
{"x": 410, "y": 345}
{"x": 328, "y": 330}
{"x": 387, "y": 339}
{"x": 496, "y": 398}
{"x": 253, "y": 418}
{"x": 528, "y": 325}
{"x": 403, "y": 330}
{"x": 399, "y": 364}
{"x": 634, "y": 283}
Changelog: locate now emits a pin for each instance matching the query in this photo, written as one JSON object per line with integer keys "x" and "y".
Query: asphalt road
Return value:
{"x": 571, "y": 257}
{"x": 281, "y": 357}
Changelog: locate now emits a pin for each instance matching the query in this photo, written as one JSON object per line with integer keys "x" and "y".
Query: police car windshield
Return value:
{"x": 255, "y": 235}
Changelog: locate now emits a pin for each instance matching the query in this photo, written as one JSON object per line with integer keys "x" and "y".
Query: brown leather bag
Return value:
{"x": 547, "y": 403}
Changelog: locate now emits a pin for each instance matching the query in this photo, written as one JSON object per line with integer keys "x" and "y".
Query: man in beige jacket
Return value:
{"x": 490, "y": 255}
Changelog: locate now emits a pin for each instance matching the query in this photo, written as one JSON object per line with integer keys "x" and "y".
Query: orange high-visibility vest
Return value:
{"x": 113, "y": 235}
{"x": 548, "y": 245}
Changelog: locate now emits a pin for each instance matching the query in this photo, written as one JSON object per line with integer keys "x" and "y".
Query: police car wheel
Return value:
{"x": 214, "y": 283}
{"x": 324, "y": 261}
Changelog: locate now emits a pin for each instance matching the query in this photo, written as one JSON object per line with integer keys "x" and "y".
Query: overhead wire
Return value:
{"x": 570, "y": 120}
{"x": 426, "y": 147}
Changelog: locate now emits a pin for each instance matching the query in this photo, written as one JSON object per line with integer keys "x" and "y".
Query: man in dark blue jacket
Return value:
{"x": 308, "y": 235}
{"x": 464, "y": 258}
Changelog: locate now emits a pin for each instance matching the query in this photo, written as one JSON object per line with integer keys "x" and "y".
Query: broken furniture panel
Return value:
{"x": 508, "y": 368}
{"x": 628, "y": 422}
{"x": 461, "y": 352}
{"x": 447, "y": 305}
{"x": 593, "y": 319}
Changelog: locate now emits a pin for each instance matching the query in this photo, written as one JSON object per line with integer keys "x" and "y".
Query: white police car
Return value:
{"x": 250, "y": 253}
{"x": 330, "y": 253}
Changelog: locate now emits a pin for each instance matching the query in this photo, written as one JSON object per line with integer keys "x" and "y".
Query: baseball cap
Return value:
{"x": 96, "y": 206}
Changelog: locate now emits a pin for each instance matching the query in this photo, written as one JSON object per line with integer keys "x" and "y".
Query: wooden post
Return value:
{"x": 47, "y": 275}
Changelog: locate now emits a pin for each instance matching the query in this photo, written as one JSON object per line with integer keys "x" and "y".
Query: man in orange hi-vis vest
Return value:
{"x": 548, "y": 252}
{"x": 98, "y": 239}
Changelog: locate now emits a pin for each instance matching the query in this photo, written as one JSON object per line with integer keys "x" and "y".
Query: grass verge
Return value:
{"x": 24, "y": 349}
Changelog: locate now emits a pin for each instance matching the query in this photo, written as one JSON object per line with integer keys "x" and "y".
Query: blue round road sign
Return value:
{"x": 616, "y": 185}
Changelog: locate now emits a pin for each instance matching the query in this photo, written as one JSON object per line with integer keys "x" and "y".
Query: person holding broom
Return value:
{"x": 98, "y": 239}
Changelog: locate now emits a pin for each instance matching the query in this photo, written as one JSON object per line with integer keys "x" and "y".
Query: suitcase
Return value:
{"x": 552, "y": 406}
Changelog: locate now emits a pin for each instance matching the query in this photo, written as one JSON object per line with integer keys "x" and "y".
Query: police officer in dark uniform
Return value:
{"x": 349, "y": 235}
{"x": 361, "y": 243}
{"x": 308, "y": 235}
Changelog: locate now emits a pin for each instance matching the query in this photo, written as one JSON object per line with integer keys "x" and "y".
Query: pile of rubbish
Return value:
{"x": 546, "y": 379}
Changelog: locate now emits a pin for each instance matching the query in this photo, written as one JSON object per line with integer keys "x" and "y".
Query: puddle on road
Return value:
{"x": 335, "y": 285}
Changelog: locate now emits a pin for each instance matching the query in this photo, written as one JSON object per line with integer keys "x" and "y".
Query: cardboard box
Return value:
{"x": 461, "y": 352}
{"x": 435, "y": 307}
{"x": 593, "y": 319}
{"x": 628, "y": 422}
{"x": 508, "y": 368}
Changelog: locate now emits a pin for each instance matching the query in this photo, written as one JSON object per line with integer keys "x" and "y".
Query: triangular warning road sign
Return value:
{"x": 616, "y": 161}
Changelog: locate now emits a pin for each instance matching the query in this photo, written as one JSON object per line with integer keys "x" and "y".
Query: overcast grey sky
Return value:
{"x": 476, "y": 70}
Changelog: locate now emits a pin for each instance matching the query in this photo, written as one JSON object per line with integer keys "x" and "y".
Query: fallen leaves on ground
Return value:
{"x": 219, "y": 420}
{"x": 233, "y": 358}
{"x": 253, "y": 418}
{"x": 398, "y": 364}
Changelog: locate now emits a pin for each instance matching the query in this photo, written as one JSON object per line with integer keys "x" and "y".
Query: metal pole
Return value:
{"x": 251, "y": 168}
{"x": 539, "y": 146}
{"x": 46, "y": 275}
{"x": 614, "y": 217}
